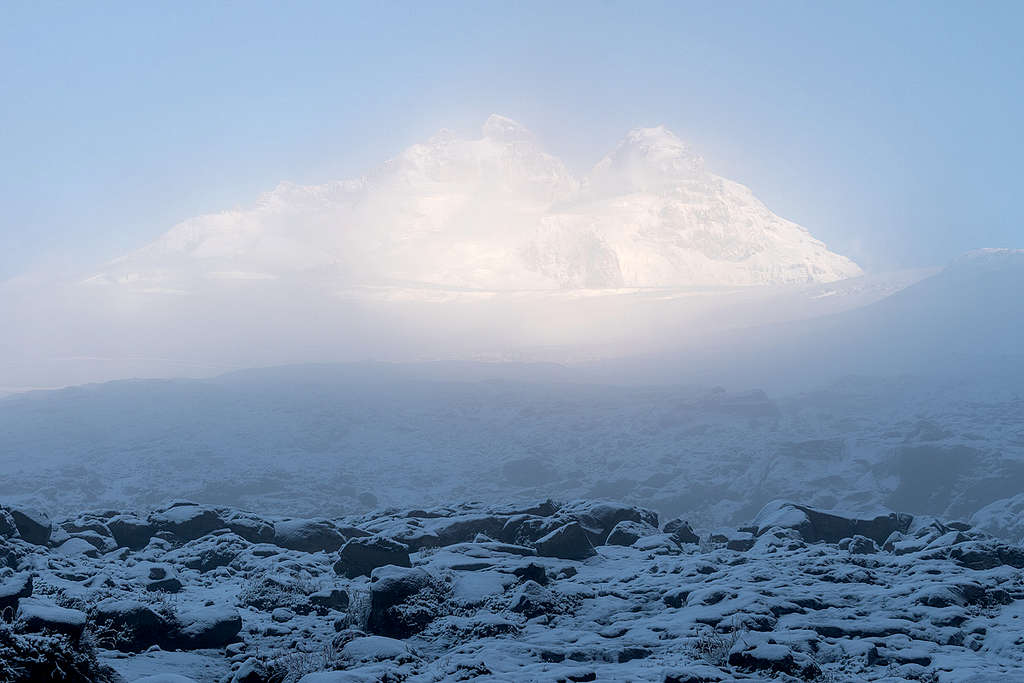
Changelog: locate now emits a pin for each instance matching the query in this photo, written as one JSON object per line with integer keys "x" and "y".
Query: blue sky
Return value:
{"x": 890, "y": 130}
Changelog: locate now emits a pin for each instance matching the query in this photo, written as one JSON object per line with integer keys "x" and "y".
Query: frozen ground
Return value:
{"x": 537, "y": 592}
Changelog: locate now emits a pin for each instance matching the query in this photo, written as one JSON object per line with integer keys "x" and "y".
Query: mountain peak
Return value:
{"x": 504, "y": 129}
{"x": 647, "y": 159}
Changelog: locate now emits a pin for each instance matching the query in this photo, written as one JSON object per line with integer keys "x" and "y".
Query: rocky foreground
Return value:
{"x": 547, "y": 592}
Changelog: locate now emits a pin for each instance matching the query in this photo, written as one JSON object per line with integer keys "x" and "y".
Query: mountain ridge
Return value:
{"x": 497, "y": 213}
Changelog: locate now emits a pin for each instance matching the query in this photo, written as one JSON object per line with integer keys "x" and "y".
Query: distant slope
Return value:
{"x": 967, "y": 319}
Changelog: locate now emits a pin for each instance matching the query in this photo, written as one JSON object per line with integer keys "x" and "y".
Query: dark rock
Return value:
{"x": 598, "y": 518}
{"x": 11, "y": 591}
{"x": 128, "y": 625}
{"x": 186, "y": 522}
{"x": 77, "y": 546}
{"x": 130, "y": 532}
{"x": 308, "y": 535}
{"x": 568, "y": 542}
{"x": 35, "y": 616}
{"x": 8, "y": 529}
{"x": 251, "y": 670}
{"x": 207, "y": 554}
{"x": 987, "y": 555}
{"x": 207, "y": 627}
{"x": 532, "y": 600}
{"x": 775, "y": 658}
{"x": 158, "y": 577}
{"x": 360, "y": 556}
{"x": 862, "y": 545}
{"x": 628, "y": 654}
{"x": 815, "y": 526}
{"x": 532, "y": 572}
{"x": 249, "y": 526}
{"x": 681, "y": 531}
{"x": 464, "y": 528}
{"x": 330, "y": 598}
{"x": 740, "y": 541}
{"x": 628, "y": 532}
{"x": 34, "y": 526}
{"x": 403, "y": 601}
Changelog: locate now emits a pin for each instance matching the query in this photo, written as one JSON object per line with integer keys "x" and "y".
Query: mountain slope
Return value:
{"x": 496, "y": 213}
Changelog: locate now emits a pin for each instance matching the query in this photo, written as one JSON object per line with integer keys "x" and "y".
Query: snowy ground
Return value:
{"x": 542, "y": 592}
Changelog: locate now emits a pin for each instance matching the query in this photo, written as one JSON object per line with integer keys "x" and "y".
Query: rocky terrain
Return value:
{"x": 576, "y": 591}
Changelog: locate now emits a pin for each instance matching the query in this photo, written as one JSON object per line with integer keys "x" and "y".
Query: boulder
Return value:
{"x": 34, "y": 526}
{"x": 210, "y": 553}
{"x": 186, "y": 522}
{"x": 532, "y": 600}
{"x": 774, "y": 658}
{"x": 862, "y": 545}
{"x": 157, "y": 576}
{"x": 128, "y": 625}
{"x": 598, "y": 518}
{"x": 390, "y": 589}
{"x": 249, "y": 526}
{"x": 207, "y": 627}
{"x": 681, "y": 531}
{"x": 8, "y": 529}
{"x": 567, "y": 542}
{"x": 376, "y": 649}
{"x": 815, "y": 526}
{"x": 130, "y": 532}
{"x": 330, "y": 598}
{"x": 629, "y": 532}
{"x": 12, "y": 590}
{"x": 308, "y": 535}
{"x": 78, "y": 546}
{"x": 360, "y": 556}
{"x": 35, "y": 616}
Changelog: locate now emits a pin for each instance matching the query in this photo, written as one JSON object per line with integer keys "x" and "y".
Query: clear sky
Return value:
{"x": 891, "y": 130}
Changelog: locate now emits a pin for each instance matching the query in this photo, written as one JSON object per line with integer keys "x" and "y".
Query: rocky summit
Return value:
{"x": 577, "y": 591}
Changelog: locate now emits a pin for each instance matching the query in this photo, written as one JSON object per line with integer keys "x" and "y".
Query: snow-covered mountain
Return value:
{"x": 497, "y": 213}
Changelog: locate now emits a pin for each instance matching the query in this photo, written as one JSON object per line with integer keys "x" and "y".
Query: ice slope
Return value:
{"x": 495, "y": 213}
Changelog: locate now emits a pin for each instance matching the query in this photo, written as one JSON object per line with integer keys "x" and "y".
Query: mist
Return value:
{"x": 451, "y": 342}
